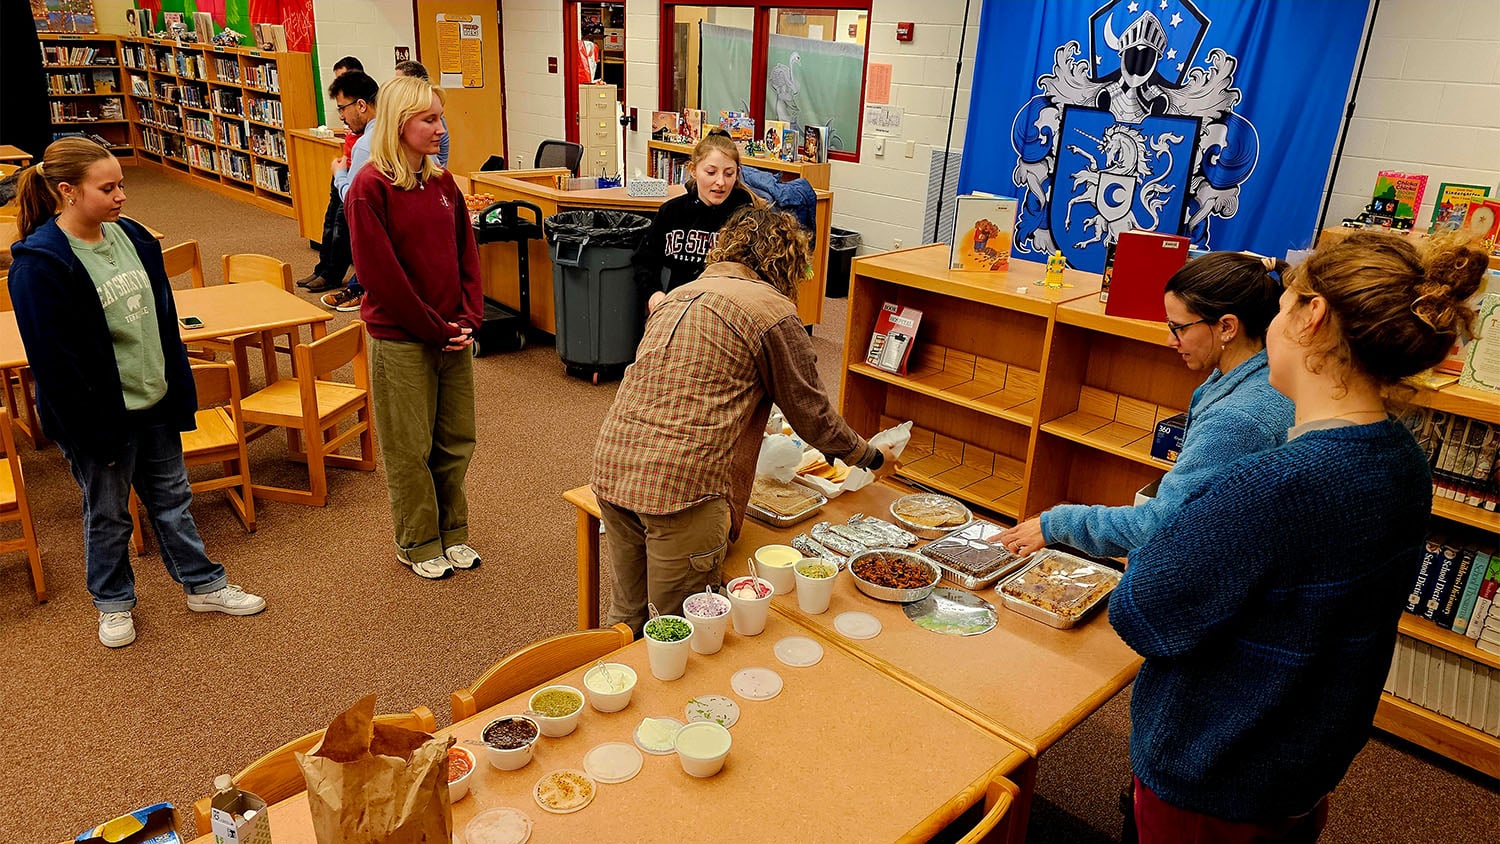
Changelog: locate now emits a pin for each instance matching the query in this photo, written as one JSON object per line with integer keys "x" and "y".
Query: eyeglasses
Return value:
{"x": 1177, "y": 328}
{"x": 346, "y": 105}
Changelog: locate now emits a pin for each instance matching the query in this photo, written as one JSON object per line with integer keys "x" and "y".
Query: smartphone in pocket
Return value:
{"x": 190, "y": 322}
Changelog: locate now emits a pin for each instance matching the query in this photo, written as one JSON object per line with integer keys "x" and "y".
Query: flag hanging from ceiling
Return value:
{"x": 1214, "y": 119}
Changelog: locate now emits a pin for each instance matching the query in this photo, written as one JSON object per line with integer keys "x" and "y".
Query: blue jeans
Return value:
{"x": 152, "y": 463}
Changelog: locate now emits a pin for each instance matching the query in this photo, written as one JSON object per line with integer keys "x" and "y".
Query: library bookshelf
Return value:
{"x": 216, "y": 116}
{"x": 1024, "y": 397}
{"x": 816, "y": 175}
{"x": 85, "y": 87}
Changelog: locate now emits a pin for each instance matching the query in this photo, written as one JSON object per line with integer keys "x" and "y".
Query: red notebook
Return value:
{"x": 1143, "y": 263}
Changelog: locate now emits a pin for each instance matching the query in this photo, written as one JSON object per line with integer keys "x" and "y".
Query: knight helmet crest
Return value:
{"x": 1140, "y": 46}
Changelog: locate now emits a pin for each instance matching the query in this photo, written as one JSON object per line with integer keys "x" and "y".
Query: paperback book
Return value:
{"x": 982, "y": 233}
{"x": 1452, "y": 205}
{"x": 1401, "y": 193}
{"x": 814, "y": 144}
{"x": 895, "y": 331}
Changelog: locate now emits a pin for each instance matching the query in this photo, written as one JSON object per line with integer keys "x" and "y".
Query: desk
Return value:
{"x": 11, "y": 154}
{"x": 310, "y": 158}
{"x": 842, "y": 753}
{"x": 498, "y": 260}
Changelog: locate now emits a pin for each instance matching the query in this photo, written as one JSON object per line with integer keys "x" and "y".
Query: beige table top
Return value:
{"x": 226, "y": 310}
{"x": 888, "y": 763}
{"x": 11, "y": 152}
{"x": 1028, "y": 682}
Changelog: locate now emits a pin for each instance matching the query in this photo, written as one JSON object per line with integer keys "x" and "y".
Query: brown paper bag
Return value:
{"x": 370, "y": 782}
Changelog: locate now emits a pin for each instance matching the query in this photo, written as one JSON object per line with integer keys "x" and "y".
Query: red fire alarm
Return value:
{"x": 904, "y": 31}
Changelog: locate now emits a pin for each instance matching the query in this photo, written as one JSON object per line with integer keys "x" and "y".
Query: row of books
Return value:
{"x": 167, "y": 145}
{"x": 263, "y": 76}
{"x": 235, "y": 165}
{"x": 1441, "y": 681}
{"x": 75, "y": 55}
{"x": 82, "y": 82}
{"x": 201, "y": 128}
{"x": 232, "y": 134}
{"x": 1455, "y": 587}
{"x": 781, "y": 140}
{"x": 96, "y": 138}
{"x": 134, "y": 56}
{"x": 86, "y": 112}
{"x": 272, "y": 176}
{"x": 140, "y": 86}
{"x": 192, "y": 95}
{"x": 264, "y": 110}
{"x": 268, "y": 142}
{"x": 159, "y": 116}
{"x": 200, "y": 156}
{"x": 191, "y": 66}
{"x": 666, "y": 166}
{"x": 1462, "y": 453}
{"x": 226, "y": 102}
{"x": 227, "y": 70}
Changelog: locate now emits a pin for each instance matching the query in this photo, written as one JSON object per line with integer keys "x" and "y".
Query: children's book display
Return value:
{"x": 895, "y": 331}
{"x": 740, "y": 126}
{"x": 1452, "y": 205}
{"x": 982, "y": 233}
{"x": 815, "y": 144}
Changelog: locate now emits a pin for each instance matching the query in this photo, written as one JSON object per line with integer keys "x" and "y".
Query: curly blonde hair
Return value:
{"x": 771, "y": 243}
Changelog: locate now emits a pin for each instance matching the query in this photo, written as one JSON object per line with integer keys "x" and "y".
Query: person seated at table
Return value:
{"x": 333, "y": 249}
{"x": 95, "y": 312}
{"x": 1267, "y": 606}
{"x": 676, "y": 455}
{"x": 415, "y": 251}
{"x": 686, "y": 227}
{"x": 1218, "y": 307}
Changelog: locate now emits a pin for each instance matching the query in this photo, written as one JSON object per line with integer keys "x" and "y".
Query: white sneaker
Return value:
{"x": 462, "y": 556}
{"x": 116, "y": 629}
{"x": 231, "y": 600}
{"x": 435, "y": 569}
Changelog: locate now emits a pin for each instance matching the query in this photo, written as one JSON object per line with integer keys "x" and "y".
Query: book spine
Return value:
{"x": 1457, "y": 583}
{"x": 1446, "y": 566}
{"x": 1405, "y": 656}
{"x": 1475, "y": 435}
{"x": 1431, "y": 552}
{"x": 1484, "y": 603}
{"x": 1484, "y": 566}
{"x": 1447, "y": 702}
{"x": 1463, "y": 702}
{"x": 1453, "y": 443}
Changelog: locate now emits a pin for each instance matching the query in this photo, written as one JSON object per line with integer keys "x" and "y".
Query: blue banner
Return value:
{"x": 1215, "y": 119}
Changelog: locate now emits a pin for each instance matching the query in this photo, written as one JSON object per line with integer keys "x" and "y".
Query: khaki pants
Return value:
{"x": 662, "y": 559}
{"x": 424, "y": 412}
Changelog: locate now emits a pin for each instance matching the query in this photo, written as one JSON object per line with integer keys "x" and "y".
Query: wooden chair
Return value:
{"x": 14, "y": 507}
{"x": 250, "y": 268}
{"x": 18, "y": 389}
{"x": 218, "y": 438}
{"x": 996, "y": 823}
{"x": 184, "y": 258}
{"x": 535, "y": 664}
{"x": 311, "y": 409}
{"x": 277, "y": 776}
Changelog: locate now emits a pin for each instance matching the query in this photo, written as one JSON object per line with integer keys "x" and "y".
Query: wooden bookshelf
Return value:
{"x": 816, "y": 175}
{"x": 1023, "y": 398}
{"x": 240, "y": 93}
{"x": 73, "y": 95}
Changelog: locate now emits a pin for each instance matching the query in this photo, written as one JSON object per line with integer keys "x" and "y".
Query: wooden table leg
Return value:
{"x": 588, "y": 570}
{"x": 1020, "y": 812}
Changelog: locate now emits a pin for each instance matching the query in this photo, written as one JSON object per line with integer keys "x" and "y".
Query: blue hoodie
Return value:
{"x": 1232, "y": 414}
{"x": 69, "y": 349}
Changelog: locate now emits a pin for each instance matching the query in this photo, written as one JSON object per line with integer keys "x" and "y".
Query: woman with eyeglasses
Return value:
{"x": 1218, "y": 307}
{"x": 1267, "y": 607}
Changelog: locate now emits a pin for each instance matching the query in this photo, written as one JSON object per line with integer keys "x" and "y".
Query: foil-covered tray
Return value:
{"x": 775, "y": 519}
{"x": 972, "y": 556}
{"x": 1058, "y": 589}
{"x": 917, "y": 511}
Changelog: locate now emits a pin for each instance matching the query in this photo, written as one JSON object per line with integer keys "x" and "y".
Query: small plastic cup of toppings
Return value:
{"x": 609, "y": 686}
{"x": 774, "y": 563}
{"x": 702, "y": 747}
{"x": 555, "y": 709}
{"x": 815, "y": 580}
{"x": 509, "y": 741}
{"x": 709, "y": 613}
{"x": 668, "y": 640}
{"x": 749, "y": 604}
{"x": 461, "y": 764}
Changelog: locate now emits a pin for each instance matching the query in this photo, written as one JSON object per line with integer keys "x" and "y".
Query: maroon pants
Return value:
{"x": 1159, "y": 822}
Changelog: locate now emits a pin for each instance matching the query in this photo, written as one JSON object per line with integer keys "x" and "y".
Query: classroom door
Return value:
{"x": 459, "y": 42}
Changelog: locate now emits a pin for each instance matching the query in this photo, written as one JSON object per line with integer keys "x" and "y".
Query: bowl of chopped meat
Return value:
{"x": 890, "y": 574}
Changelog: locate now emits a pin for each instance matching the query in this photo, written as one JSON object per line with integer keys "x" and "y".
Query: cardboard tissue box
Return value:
{"x": 645, "y": 186}
{"x": 1168, "y": 439}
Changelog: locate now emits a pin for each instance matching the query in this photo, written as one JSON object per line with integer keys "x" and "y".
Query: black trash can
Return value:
{"x": 598, "y": 309}
{"x": 842, "y": 244}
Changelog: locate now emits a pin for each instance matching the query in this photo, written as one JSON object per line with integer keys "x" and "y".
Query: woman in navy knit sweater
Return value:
{"x": 1267, "y": 607}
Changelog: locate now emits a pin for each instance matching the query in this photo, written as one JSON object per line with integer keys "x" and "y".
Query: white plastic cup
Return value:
{"x": 702, "y": 747}
{"x": 609, "y": 701}
{"x": 748, "y": 615}
{"x": 708, "y": 630}
{"x": 668, "y": 659}
{"x": 774, "y": 563}
{"x": 814, "y": 593}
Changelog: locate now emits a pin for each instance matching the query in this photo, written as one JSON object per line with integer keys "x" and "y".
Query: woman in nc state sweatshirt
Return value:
{"x": 687, "y": 227}
{"x": 414, "y": 251}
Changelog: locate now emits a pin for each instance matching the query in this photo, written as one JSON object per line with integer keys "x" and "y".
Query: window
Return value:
{"x": 812, "y": 58}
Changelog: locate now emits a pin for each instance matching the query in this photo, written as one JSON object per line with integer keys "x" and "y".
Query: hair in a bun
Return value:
{"x": 1221, "y": 283}
{"x": 1398, "y": 308}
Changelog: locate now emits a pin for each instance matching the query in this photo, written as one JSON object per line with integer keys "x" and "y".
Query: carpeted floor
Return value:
{"x": 86, "y": 733}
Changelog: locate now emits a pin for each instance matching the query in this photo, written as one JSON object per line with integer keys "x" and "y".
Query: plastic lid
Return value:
{"x": 613, "y": 762}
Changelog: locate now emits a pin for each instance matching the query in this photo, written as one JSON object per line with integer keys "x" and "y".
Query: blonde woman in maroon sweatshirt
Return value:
{"x": 414, "y": 252}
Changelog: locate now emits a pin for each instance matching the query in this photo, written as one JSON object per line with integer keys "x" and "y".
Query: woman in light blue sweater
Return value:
{"x": 1218, "y": 307}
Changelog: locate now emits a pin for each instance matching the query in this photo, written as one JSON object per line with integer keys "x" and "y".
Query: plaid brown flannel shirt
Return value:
{"x": 687, "y": 422}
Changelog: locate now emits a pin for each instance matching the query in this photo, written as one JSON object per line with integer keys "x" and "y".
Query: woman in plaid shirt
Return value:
{"x": 676, "y": 455}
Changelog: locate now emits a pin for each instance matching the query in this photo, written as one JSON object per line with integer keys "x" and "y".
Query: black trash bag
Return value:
{"x": 608, "y": 229}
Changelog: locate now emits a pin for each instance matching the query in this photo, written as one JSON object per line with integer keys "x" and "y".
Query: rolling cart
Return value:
{"x": 505, "y": 330}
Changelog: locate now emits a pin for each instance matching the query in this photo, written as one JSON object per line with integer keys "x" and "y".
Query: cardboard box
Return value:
{"x": 239, "y": 817}
{"x": 155, "y": 824}
{"x": 1143, "y": 263}
{"x": 1147, "y": 492}
{"x": 1168, "y": 439}
{"x": 984, "y": 226}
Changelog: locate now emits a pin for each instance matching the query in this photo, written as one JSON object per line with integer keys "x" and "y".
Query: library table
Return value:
{"x": 11, "y": 154}
{"x": 842, "y": 753}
